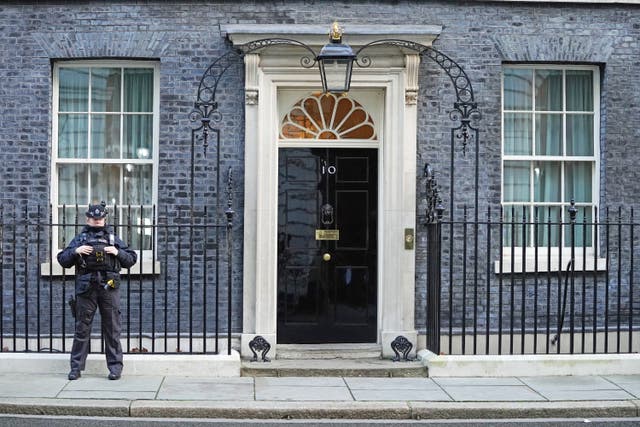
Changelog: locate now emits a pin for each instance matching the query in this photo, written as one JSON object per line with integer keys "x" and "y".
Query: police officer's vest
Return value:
{"x": 98, "y": 259}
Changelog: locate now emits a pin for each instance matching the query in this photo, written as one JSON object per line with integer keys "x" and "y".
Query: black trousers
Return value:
{"x": 108, "y": 302}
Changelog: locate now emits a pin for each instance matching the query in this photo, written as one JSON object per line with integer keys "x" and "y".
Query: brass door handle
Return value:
{"x": 326, "y": 257}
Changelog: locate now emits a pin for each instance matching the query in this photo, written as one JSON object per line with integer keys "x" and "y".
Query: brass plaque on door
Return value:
{"x": 327, "y": 234}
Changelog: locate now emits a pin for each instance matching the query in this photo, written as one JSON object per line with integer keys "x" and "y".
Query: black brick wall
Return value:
{"x": 185, "y": 38}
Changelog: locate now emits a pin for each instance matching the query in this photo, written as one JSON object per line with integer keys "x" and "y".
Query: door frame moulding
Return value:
{"x": 264, "y": 75}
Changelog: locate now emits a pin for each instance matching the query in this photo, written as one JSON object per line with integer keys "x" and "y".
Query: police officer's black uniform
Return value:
{"x": 97, "y": 283}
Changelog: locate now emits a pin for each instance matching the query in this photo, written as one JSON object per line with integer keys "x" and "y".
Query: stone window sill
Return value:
{"x": 515, "y": 264}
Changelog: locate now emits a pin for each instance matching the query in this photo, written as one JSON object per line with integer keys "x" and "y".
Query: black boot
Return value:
{"x": 74, "y": 375}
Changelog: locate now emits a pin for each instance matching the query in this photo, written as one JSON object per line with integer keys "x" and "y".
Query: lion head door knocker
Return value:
{"x": 326, "y": 214}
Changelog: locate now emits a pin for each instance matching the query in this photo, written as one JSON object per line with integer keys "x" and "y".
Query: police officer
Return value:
{"x": 98, "y": 255}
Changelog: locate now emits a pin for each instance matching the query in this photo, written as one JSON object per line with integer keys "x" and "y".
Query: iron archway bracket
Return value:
{"x": 206, "y": 111}
{"x": 464, "y": 109}
{"x": 206, "y": 103}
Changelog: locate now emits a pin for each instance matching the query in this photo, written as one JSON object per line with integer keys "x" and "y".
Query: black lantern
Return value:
{"x": 336, "y": 63}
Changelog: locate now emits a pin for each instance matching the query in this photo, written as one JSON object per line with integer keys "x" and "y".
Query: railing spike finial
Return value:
{"x": 573, "y": 211}
{"x": 435, "y": 209}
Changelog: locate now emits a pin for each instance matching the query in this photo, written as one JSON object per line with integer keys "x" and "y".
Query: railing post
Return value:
{"x": 434, "y": 213}
{"x": 229, "y": 212}
{"x": 572, "y": 216}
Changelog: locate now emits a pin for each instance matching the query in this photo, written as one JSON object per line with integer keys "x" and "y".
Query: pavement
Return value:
{"x": 333, "y": 397}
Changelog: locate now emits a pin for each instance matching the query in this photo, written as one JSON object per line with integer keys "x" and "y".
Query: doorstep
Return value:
{"x": 334, "y": 367}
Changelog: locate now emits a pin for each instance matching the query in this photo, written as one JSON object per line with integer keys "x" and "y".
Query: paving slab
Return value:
{"x": 192, "y": 388}
{"x": 31, "y": 385}
{"x": 395, "y": 389}
{"x": 302, "y": 388}
{"x": 128, "y": 384}
{"x": 391, "y": 383}
{"x": 575, "y": 395}
{"x": 295, "y": 393}
{"x": 629, "y": 383}
{"x": 572, "y": 388}
{"x": 569, "y": 383}
{"x": 476, "y": 381}
{"x": 401, "y": 395}
{"x": 507, "y": 393}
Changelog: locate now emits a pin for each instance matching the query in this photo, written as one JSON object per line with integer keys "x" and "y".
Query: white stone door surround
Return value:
{"x": 393, "y": 71}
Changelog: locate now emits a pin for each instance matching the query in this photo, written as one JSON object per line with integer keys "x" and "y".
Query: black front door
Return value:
{"x": 327, "y": 245}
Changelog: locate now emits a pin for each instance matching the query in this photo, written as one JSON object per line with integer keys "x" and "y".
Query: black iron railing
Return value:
{"x": 176, "y": 299}
{"x": 533, "y": 282}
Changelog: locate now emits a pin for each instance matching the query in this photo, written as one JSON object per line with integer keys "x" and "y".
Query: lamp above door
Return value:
{"x": 335, "y": 62}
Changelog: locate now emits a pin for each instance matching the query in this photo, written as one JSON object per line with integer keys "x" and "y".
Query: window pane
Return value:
{"x": 105, "y": 136}
{"x": 578, "y": 182}
{"x": 135, "y": 227}
{"x": 517, "y": 89}
{"x": 579, "y": 90}
{"x": 72, "y": 184}
{"x": 579, "y": 135}
{"x": 515, "y": 225}
{"x": 583, "y": 228}
{"x": 137, "y": 184}
{"x": 546, "y": 181}
{"x": 548, "y": 226}
{"x": 549, "y": 90}
{"x": 74, "y": 89}
{"x": 137, "y": 136}
{"x": 516, "y": 182}
{"x": 73, "y": 219}
{"x": 72, "y": 136}
{"x": 551, "y": 133}
{"x": 548, "y": 134}
{"x": 105, "y": 183}
{"x": 138, "y": 90}
{"x": 517, "y": 133}
{"x": 105, "y": 89}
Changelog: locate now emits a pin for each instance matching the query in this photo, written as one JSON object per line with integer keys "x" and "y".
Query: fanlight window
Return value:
{"x": 327, "y": 116}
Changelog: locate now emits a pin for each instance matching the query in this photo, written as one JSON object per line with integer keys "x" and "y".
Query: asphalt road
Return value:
{"x": 52, "y": 421}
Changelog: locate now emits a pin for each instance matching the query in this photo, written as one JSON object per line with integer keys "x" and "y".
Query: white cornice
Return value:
{"x": 318, "y": 35}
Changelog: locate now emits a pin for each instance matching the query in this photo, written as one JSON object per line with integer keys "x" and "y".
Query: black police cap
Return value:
{"x": 97, "y": 211}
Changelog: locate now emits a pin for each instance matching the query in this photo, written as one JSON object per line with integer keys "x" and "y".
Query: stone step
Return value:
{"x": 334, "y": 367}
{"x": 328, "y": 351}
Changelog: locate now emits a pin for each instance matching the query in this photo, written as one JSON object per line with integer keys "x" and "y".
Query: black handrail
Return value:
{"x": 556, "y": 337}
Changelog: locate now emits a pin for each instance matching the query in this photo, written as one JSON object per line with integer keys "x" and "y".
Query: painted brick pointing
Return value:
{"x": 185, "y": 38}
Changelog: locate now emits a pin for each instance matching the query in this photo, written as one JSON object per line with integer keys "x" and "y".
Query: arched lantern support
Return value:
{"x": 206, "y": 116}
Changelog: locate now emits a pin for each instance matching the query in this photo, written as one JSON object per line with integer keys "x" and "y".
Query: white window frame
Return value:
{"x": 558, "y": 257}
{"x": 146, "y": 256}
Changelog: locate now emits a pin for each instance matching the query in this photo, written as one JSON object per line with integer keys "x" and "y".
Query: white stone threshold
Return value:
{"x": 529, "y": 365}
